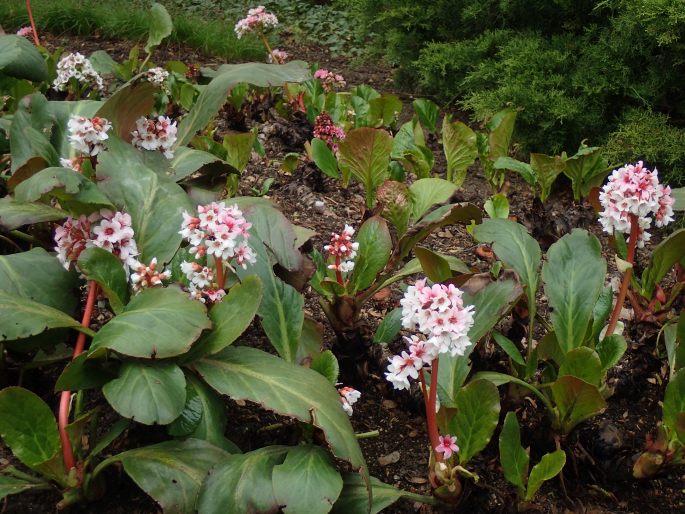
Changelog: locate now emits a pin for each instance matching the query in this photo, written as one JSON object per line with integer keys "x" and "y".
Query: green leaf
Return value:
{"x": 187, "y": 161}
{"x": 213, "y": 95}
{"x": 239, "y": 149}
{"x": 502, "y": 378}
{"x": 191, "y": 415}
{"x": 365, "y": 154}
{"x": 497, "y": 206}
{"x": 21, "y": 318}
{"x": 354, "y": 497}
{"x": 323, "y": 158}
{"x": 434, "y": 266}
{"x": 149, "y": 393}
{"x": 232, "y": 315}
{"x": 610, "y": 351}
{"x": 83, "y": 373}
{"x": 512, "y": 455}
{"x": 585, "y": 165}
{"x": 576, "y": 401}
{"x": 601, "y": 311}
{"x": 307, "y": 481}
{"x": 522, "y": 168}
{"x": 20, "y": 59}
{"x": 61, "y": 112}
{"x": 390, "y": 327}
{"x": 491, "y": 303}
{"x": 101, "y": 266}
{"x": 155, "y": 203}
{"x": 583, "y": 363}
{"x": 171, "y": 472}
{"x": 547, "y": 168}
{"x": 574, "y": 277}
{"x": 476, "y": 419}
{"x": 28, "y": 426}
{"x": 132, "y": 100}
{"x": 427, "y": 192}
{"x": 156, "y": 324}
{"x": 384, "y": 110}
{"x": 409, "y": 147}
{"x": 36, "y": 275}
{"x": 678, "y": 194}
{"x": 103, "y": 63}
{"x": 327, "y": 366}
{"x": 428, "y": 113}
{"x": 674, "y": 400}
{"x": 290, "y": 390}
{"x": 662, "y": 259}
{"x": 15, "y": 214}
{"x": 509, "y": 348}
{"x": 375, "y": 247}
{"x": 459, "y": 145}
{"x": 30, "y": 149}
{"x": 10, "y": 485}
{"x": 501, "y": 128}
{"x": 160, "y": 26}
{"x": 549, "y": 466}
{"x": 242, "y": 483}
{"x": 516, "y": 249}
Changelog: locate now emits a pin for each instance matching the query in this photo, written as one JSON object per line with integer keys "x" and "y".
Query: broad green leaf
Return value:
{"x": 10, "y": 485}
{"x": 160, "y": 26}
{"x": 171, "y": 472}
{"x": 414, "y": 266}
{"x": 502, "y": 378}
{"x": 451, "y": 377}
{"x": 103, "y": 63}
{"x": 239, "y": 149}
{"x": 549, "y": 466}
{"x": 389, "y": 328}
{"x": 547, "y": 168}
{"x": 497, "y": 206}
{"x": 232, "y": 315}
{"x": 187, "y": 161}
{"x": 509, "y": 348}
{"x": 384, "y": 110}
{"x": 155, "y": 203}
{"x": 21, "y": 318}
{"x": 243, "y": 483}
{"x": 662, "y": 259}
{"x": 132, "y": 100}
{"x": 323, "y": 158}
{"x": 674, "y": 400}
{"x": 311, "y": 340}
{"x": 512, "y": 455}
{"x": 427, "y": 192}
{"x": 610, "y": 351}
{"x": 15, "y": 214}
{"x": 515, "y": 248}
{"x": 674, "y": 335}
{"x": 74, "y": 191}
{"x": 189, "y": 418}
{"x": 156, "y": 324}
{"x": 601, "y": 311}
{"x": 28, "y": 426}
{"x": 326, "y": 364}
{"x": 101, "y": 266}
{"x": 501, "y": 128}
{"x": 522, "y": 168}
{"x": 36, "y": 275}
{"x": 149, "y": 393}
{"x": 61, "y": 112}
{"x": 576, "y": 401}
{"x": 678, "y": 194}
{"x": 214, "y": 94}
{"x": 282, "y": 307}
{"x": 307, "y": 481}
{"x": 490, "y": 304}
{"x": 375, "y": 247}
{"x": 30, "y": 149}
{"x": 354, "y": 497}
{"x": 409, "y": 147}
{"x": 428, "y": 113}
{"x": 19, "y": 58}
{"x": 83, "y": 373}
{"x": 459, "y": 145}
{"x": 476, "y": 419}
{"x": 365, "y": 155}
{"x": 574, "y": 277}
{"x": 290, "y": 390}
{"x": 436, "y": 268}
{"x": 583, "y": 363}
{"x": 585, "y": 165}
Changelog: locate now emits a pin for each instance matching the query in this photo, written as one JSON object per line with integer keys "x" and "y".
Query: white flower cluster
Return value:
{"x": 109, "y": 230}
{"x": 147, "y": 276}
{"x": 201, "y": 285}
{"x": 277, "y": 56}
{"x": 348, "y": 397}
{"x": 78, "y": 67}
{"x": 343, "y": 249}
{"x": 87, "y": 135}
{"x": 159, "y": 134}
{"x": 256, "y": 19}
{"x": 439, "y": 313}
{"x": 157, "y": 76}
{"x": 73, "y": 163}
{"x": 634, "y": 190}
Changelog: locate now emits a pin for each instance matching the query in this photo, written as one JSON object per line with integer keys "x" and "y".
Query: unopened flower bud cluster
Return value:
{"x": 77, "y": 66}
{"x": 155, "y": 134}
{"x": 256, "y": 19}
{"x": 327, "y": 131}
{"x": 329, "y": 80}
{"x": 635, "y": 190}
{"x": 147, "y": 276}
{"x": 25, "y": 32}
{"x": 343, "y": 249}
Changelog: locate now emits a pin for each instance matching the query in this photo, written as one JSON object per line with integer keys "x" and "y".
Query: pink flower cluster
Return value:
{"x": 87, "y": 135}
{"x": 109, "y": 230}
{"x": 634, "y": 189}
{"x": 201, "y": 284}
{"x": 157, "y": 76}
{"x": 25, "y": 32}
{"x": 329, "y": 80}
{"x": 277, "y": 56}
{"x": 343, "y": 249}
{"x": 73, "y": 163}
{"x": 447, "y": 446}
{"x": 348, "y": 397}
{"x": 256, "y": 19}
{"x": 439, "y": 313}
{"x": 159, "y": 134}
{"x": 325, "y": 130}
{"x": 147, "y": 276}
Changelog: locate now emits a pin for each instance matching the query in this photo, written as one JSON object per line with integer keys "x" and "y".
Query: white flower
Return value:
{"x": 151, "y": 134}
{"x": 76, "y": 66}
{"x": 87, "y": 135}
{"x": 157, "y": 76}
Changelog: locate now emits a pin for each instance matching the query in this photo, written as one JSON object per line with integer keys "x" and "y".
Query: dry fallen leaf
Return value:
{"x": 390, "y": 458}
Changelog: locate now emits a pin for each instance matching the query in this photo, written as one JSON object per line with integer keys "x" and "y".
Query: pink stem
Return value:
{"x": 634, "y": 232}
{"x": 33, "y": 23}
{"x": 431, "y": 418}
{"x": 220, "y": 279}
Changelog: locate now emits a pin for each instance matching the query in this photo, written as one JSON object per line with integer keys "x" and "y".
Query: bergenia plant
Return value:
{"x": 76, "y": 76}
{"x": 260, "y": 22}
{"x": 330, "y": 80}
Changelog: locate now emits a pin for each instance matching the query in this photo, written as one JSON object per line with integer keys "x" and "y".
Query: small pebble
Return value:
{"x": 319, "y": 206}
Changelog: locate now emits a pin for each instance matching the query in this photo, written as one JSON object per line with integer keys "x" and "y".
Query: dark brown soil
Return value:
{"x": 601, "y": 451}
